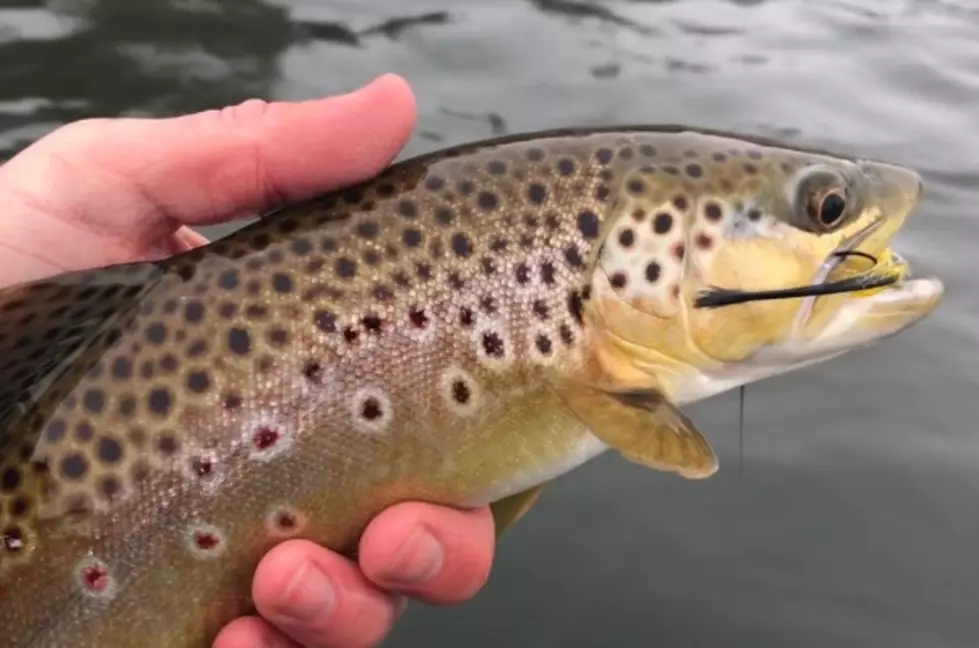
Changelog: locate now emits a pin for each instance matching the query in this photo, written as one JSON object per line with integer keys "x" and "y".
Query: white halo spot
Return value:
{"x": 284, "y": 521}
{"x": 422, "y": 335}
{"x": 202, "y": 467}
{"x": 266, "y": 438}
{"x": 205, "y": 541}
{"x": 460, "y": 391}
{"x": 371, "y": 410}
{"x": 548, "y": 355}
{"x": 94, "y": 578}
{"x": 486, "y": 335}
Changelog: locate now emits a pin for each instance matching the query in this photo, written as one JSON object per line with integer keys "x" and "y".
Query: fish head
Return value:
{"x": 733, "y": 218}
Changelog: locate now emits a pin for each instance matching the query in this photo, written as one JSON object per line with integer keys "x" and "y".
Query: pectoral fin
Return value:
{"x": 507, "y": 511}
{"x": 643, "y": 426}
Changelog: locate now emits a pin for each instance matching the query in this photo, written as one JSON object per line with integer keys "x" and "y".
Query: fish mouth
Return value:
{"x": 881, "y": 280}
{"x": 842, "y": 268}
{"x": 847, "y": 270}
{"x": 839, "y": 273}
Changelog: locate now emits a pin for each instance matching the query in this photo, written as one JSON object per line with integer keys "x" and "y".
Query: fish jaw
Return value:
{"x": 864, "y": 319}
{"x": 858, "y": 322}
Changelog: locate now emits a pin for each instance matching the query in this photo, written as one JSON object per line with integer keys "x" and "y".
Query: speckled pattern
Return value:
{"x": 163, "y": 424}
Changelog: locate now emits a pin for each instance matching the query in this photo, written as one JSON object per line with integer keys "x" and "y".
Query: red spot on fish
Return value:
{"x": 286, "y": 521}
{"x": 203, "y": 467}
{"x": 265, "y": 437}
{"x": 206, "y": 541}
{"x": 95, "y": 577}
{"x": 679, "y": 250}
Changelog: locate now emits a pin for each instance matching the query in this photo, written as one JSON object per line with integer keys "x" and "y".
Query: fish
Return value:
{"x": 464, "y": 328}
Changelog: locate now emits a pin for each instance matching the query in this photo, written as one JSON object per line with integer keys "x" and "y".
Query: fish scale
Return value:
{"x": 438, "y": 333}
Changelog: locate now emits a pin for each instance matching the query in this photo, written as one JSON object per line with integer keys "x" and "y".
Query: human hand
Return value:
{"x": 109, "y": 191}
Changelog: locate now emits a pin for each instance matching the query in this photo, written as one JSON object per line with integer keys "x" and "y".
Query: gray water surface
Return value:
{"x": 854, "y": 522}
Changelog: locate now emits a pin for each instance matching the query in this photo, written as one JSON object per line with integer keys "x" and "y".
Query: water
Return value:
{"x": 854, "y": 522}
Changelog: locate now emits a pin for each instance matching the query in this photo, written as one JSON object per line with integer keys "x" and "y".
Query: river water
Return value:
{"x": 853, "y": 521}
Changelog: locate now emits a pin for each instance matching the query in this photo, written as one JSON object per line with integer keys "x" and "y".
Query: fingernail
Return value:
{"x": 309, "y": 595}
{"x": 417, "y": 561}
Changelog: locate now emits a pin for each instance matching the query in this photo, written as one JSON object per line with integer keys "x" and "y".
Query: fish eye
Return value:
{"x": 823, "y": 199}
{"x": 827, "y": 209}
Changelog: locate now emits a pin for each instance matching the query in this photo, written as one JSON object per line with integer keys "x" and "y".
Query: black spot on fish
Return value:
{"x": 493, "y": 344}
{"x": 588, "y": 223}
{"x": 239, "y": 341}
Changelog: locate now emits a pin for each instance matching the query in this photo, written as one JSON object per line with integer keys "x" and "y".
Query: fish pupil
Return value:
{"x": 831, "y": 209}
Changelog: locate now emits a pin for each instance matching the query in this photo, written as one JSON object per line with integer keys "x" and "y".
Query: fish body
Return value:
{"x": 461, "y": 329}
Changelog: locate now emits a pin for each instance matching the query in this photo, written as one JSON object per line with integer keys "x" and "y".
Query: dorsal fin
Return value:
{"x": 45, "y": 324}
{"x": 52, "y": 332}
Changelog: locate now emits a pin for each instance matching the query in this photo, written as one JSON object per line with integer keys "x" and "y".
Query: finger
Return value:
{"x": 321, "y": 599}
{"x": 438, "y": 554}
{"x": 256, "y": 155}
{"x": 140, "y": 179}
{"x": 188, "y": 239}
{"x": 252, "y": 632}
{"x": 180, "y": 241}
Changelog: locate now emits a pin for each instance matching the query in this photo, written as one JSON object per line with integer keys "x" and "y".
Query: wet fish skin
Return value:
{"x": 465, "y": 327}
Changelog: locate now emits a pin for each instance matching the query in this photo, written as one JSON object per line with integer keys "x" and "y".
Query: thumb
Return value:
{"x": 219, "y": 164}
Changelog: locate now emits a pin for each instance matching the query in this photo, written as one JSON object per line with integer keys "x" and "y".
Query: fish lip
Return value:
{"x": 830, "y": 263}
{"x": 849, "y": 244}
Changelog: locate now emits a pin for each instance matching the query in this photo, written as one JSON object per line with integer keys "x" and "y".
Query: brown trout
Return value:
{"x": 461, "y": 329}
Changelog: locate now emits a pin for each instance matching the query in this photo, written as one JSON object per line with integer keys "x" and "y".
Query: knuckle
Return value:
{"x": 257, "y": 177}
{"x": 321, "y": 600}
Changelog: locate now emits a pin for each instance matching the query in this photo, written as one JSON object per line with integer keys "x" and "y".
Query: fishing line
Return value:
{"x": 843, "y": 254}
{"x": 717, "y": 297}
{"x": 741, "y": 436}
